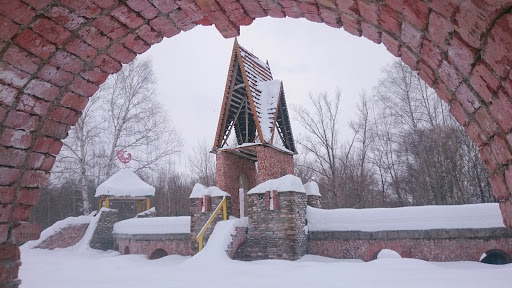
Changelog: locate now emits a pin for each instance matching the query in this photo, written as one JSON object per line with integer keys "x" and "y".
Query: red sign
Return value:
{"x": 121, "y": 156}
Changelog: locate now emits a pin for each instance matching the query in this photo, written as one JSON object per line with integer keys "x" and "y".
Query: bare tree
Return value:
{"x": 202, "y": 164}
{"x": 322, "y": 140}
{"x": 123, "y": 115}
{"x": 134, "y": 119}
{"x": 419, "y": 152}
{"x": 172, "y": 190}
{"x": 78, "y": 152}
{"x": 363, "y": 179}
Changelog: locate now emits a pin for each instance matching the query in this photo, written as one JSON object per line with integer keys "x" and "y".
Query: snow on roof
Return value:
{"x": 155, "y": 225}
{"x": 200, "y": 190}
{"x": 267, "y": 106}
{"x": 312, "y": 188}
{"x": 124, "y": 183}
{"x": 283, "y": 184}
{"x": 405, "y": 218}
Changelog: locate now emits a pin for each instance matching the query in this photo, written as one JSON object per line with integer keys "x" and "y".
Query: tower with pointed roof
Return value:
{"x": 262, "y": 145}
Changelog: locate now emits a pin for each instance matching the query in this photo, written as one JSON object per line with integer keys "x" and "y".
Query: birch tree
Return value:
{"x": 80, "y": 149}
{"x": 135, "y": 120}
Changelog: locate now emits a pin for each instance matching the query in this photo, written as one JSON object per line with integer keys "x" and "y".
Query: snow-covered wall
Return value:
{"x": 65, "y": 237}
{"x": 430, "y": 245}
{"x": 434, "y": 233}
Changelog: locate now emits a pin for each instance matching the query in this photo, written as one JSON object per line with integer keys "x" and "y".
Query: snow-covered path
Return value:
{"x": 91, "y": 268}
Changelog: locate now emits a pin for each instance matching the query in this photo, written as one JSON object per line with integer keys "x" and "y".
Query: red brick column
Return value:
{"x": 229, "y": 169}
{"x": 55, "y": 53}
{"x": 273, "y": 164}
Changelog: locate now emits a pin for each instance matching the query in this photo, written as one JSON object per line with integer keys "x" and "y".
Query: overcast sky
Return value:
{"x": 309, "y": 58}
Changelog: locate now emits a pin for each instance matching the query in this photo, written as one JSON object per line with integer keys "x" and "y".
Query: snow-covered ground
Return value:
{"x": 92, "y": 268}
{"x": 82, "y": 267}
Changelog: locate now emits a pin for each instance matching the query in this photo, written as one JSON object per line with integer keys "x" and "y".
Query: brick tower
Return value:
{"x": 262, "y": 146}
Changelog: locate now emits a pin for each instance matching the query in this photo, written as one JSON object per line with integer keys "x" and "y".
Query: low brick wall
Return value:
{"x": 275, "y": 234}
{"x": 431, "y": 245}
{"x": 173, "y": 244}
{"x": 66, "y": 237}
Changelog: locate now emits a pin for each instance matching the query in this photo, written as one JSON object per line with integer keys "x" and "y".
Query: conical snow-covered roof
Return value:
{"x": 124, "y": 183}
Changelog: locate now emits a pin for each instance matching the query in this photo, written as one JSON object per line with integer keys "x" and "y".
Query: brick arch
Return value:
{"x": 55, "y": 53}
{"x": 157, "y": 254}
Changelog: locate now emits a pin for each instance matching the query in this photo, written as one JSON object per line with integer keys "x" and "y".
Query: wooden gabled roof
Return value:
{"x": 254, "y": 104}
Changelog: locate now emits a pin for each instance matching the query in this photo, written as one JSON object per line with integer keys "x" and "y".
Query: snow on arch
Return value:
{"x": 124, "y": 183}
{"x": 388, "y": 254}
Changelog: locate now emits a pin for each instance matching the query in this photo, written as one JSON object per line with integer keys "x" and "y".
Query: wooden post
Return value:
{"x": 139, "y": 206}
{"x": 224, "y": 209}
{"x": 107, "y": 202}
{"x": 148, "y": 203}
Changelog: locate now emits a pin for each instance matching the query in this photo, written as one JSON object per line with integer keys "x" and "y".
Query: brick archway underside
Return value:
{"x": 54, "y": 54}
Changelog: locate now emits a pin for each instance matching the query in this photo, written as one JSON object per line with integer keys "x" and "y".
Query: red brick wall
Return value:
{"x": 66, "y": 237}
{"x": 138, "y": 244}
{"x": 229, "y": 169}
{"x": 273, "y": 164}
{"x": 448, "y": 245}
{"x": 55, "y": 54}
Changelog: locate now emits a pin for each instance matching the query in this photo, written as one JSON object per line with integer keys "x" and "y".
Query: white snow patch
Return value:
{"x": 486, "y": 215}
{"x": 312, "y": 188}
{"x": 155, "y": 225}
{"x": 147, "y": 212}
{"x": 254, "y": 58}
{"x": 57, "y": 226}
{"x": 267, "y": 106}
{"x": 125, "y": 183}
{"x": 199, "y": 191}
{"x": 242, "y": 222}
{"x": 283, "y": 184}
{"x": 388, "y": 253}
{"x": 100, "y": 269}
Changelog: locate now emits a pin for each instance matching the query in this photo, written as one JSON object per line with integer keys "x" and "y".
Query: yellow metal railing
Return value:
{"x": 224, "y": 207}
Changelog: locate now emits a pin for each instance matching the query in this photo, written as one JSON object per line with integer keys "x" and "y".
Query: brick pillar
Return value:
{"x": 9, "y": 265}
{"x": 273, "y": 163}
{"x": 229, "y": 169}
